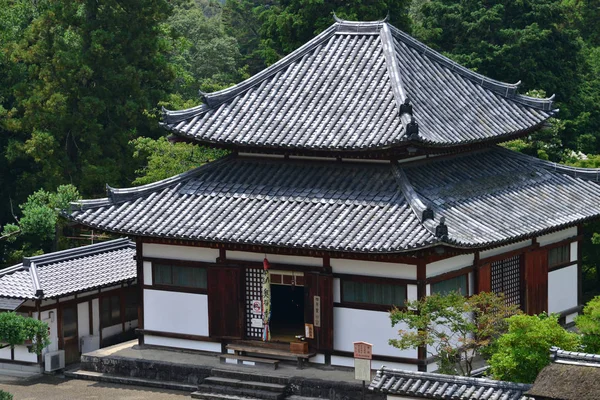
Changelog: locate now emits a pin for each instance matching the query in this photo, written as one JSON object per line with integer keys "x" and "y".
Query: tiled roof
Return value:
{"x": 344, "y": 91}
{"x": 70, "y": 271}
{"x": 429, "y": 385}
{"x": 487, "y": 198}
{"x": 560, "y": 356}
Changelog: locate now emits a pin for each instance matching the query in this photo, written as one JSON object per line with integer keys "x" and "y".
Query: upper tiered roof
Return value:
{"x": 355, "y": 89}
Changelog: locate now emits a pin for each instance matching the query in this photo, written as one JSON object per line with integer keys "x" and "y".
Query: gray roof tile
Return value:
{"x": 343, "y": 91}
{"x": 429, "y": 385}
{"x": 70, "y": 271}
{"x": 487, "y": 198}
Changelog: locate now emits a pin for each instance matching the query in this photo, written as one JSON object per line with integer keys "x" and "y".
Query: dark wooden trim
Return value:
{"x": 449, "y": 275}
{"x": 509, "y": 254}
{"x": 377, "y": 357}
{"x": 174, "y": 335}
{"x": 366, "y": 306}
{"x": 421, "y": 294}
{"x": 91, "y": 318}
{"x": 79, "y": 300}
{"x": 276, "y": 266}
{"x": 18, "y": 362}
{"x": 178, "y": 289}
{"x": 375, "y": 279}
{"x": 183, "y": 263}
{"x": 579, "y": 267}
{"x": 139, "y": 256}
{"x": 12, "y": 353}
{"x": 327, "y": 265}
{"x": 572, "y": 310}
{"x": 562, "y": 266}
{"x": 476, "y": 273}
{"x": 222, "y": 255}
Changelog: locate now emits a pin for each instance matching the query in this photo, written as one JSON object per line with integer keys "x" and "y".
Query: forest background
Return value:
{"x": 82, "y": 84}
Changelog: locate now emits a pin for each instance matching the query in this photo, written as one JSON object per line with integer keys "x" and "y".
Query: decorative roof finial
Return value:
{"x": 336, "y": 18}
{"x": 412, "y": 129}
{"x": 387, "y": 17}
{"x": 204, "y": 97}
{"x": 406, "y": 107}
{"x": 427, "y": 214}
{"x": 441, "y": 231}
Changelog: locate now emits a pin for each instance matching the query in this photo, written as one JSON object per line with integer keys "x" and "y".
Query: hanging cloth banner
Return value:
{"x": 266, "y": 301}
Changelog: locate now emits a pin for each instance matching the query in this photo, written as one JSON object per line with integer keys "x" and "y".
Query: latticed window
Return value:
{"x": 506, "y": 278}
{"x": 559, "y": 255}
{"x": 373, "y": 293}
{"x": 178, "y": 275}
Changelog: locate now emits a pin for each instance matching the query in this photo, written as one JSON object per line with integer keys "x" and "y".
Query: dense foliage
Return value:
{"x": 523, "y": 352}
{"x": 588, "y": 324}
{"x": 454, "y": 328}
{"x": 82, "y": 82}
{"x": 17, "y": 330}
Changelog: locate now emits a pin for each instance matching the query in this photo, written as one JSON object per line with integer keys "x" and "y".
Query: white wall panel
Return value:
{"x": 557, "y": 236}
{"x": 182, "y": 343}
{"x": 353, "y": 325}
{"x": 373, "y": 268}
{"x": 147, "y": 273}
{"x": 111, "y": 331}
{"x": 337, "y": 296}
{"x": 504, "y": 249}
{"x": 274, "y": 258}
{"x": 22, "y": 354}
{"x": 176, "y": 312}
{"x": 449, "y": 264}
{"x": 83, "y": 319}
{"x": 412, "y": 292}
{"x": 574, "y": 251}
{"x": 375, "y": 364}
{"x": 173, "y": 252}
{"x": 562, "y": 289}
{"x": 96, "y": 316}
{"x": 53, "y": 328}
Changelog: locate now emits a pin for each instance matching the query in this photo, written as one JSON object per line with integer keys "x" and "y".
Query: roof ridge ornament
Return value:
{"x": 441, "y": 231}
{"x": 406, "y": 107}
{"x": 412, "y": 129}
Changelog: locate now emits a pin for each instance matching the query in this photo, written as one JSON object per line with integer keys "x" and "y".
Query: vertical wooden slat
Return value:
{"x": 225, "y": 306}
{"x": 317, "y": 284}
{"x": 139, "y": 260}
{"x": 536, "y": 281}
{"x": 422, "y": 293}
{"x": 484, "y": 281}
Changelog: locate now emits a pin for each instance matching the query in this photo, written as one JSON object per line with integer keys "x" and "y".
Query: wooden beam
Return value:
{"x": 421, "y": 294}
{"x": 139, "y": 256}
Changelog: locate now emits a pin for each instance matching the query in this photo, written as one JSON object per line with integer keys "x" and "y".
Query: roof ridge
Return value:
{"x": 507, "y": 90}
{"x": 455, "y": 378}
{"x": 424, "y": 213}
{"x": 216, "y": 98}
{"x": 77, "y": 252}
{"x": 575, "y": 172}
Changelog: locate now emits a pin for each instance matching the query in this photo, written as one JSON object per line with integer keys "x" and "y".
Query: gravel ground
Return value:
{"x": 47, "y": 387}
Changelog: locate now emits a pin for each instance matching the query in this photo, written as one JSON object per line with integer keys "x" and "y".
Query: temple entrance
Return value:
{"x": 287, "y": 306}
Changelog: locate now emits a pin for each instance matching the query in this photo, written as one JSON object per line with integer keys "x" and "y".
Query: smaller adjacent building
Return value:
{"x": 400, "y": 385}
{"x": 87, "y": 295}
{"x": 570, "y": 376}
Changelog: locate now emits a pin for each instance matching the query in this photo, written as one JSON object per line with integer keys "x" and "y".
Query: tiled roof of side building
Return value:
{"x": 429, "y": 385}
{"x": 486, "y": 198}
{"x": 344, "y": 91}
{"x": 70, "y": 271}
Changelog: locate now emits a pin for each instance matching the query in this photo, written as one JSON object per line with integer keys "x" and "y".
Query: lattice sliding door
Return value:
{"x": 507, "y": 278}
{"x": 253, "y": 291}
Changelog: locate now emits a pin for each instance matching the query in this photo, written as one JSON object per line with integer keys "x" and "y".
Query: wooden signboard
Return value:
{"x": 363, "y": 353}
{"x": 309, "y": 331}
{"x": 317, "y": 311}
{"x": 363, "y": 350}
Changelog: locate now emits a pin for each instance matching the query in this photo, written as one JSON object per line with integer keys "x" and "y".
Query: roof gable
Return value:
{"x": 343, "y": 91}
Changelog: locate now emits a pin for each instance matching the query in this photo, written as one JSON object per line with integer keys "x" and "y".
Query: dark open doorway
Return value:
{"x": 287, "y": 312}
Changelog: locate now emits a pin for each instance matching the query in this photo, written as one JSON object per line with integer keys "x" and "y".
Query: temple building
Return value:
{"x": 364, "y": 171}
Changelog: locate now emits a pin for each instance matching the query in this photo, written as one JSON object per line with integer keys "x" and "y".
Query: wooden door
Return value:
{"x": 318, "y": 309}
{"x": 536, "y": 281}
{"x": 225, "y": 306}
{"x": 484, "y": 278}
{"x": 68, "y": 335}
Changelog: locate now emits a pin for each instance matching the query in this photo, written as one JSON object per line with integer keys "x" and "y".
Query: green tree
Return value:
{"x": 588, "y": 324}
{"x": 522, "y": 352}
{"x": 454, "y": 328}
{"x": 163, "y": 159}
{"x": 16, "y": 330}
{"x": 36, "y": 230}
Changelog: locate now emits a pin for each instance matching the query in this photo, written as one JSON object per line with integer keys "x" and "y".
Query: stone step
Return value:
{"x": 219, "y": 396}
{"x": 248, "y": 361}
{"x": 241, "y": 391}
{"x": 271, "y": 387}
{"x": 126, "y": 380}
{"x": 249, "y": 376}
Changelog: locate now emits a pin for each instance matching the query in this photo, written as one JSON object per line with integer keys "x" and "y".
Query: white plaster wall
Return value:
{"x": 176, "y": 312}
{"x": 411, "y": 292}
{"x": 83, "y": 319}
{"x": 108, "y": 289}
{"x": 182, "y": 343}
{"x": 574, "y": 251}
{"x": 131, "y": 324}
{"x": 562, "y": 289}
{"x": 111, "y": 331}
{"x": 53, "y": 328}
{"x": 449, "y": 264}
{"x": 22, "y": 354}
{"x": 390, "y": 397}
{"x": 373, "y": 268}
{"x": 147, "y": 273}
{"x": 188, "y": 253}
{"x": 89, "y": 293}
{"x": 570, "y": 318}
{"x": 557, "y": 236}
{"x": 504, "y": 249}
{"x": 353, "y": 325}
{"x": 66, "y": 298}
{"x": 337, "y": 294}
{"x": 375, "y": 364}
{"x": 96, "y": 316}
{"x": 5, "y": 353}
{"x": 317, "y": 359}
{"x": 274, "y": 258}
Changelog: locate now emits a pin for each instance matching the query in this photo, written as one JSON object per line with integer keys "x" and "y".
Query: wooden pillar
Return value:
{"x": 579, "y": 271}
{"x": 476, "y": 273}
{"x": 139, "y": 259}
{"x": 422, "y": 293}
{"x": 536, "y": 281}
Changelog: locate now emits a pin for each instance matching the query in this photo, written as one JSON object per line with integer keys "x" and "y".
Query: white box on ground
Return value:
{"x": 362, "y": 369}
